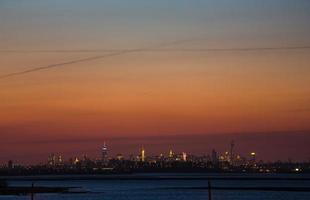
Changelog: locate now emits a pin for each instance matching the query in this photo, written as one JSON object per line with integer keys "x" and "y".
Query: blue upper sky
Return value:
{"x": 70, "y": 24}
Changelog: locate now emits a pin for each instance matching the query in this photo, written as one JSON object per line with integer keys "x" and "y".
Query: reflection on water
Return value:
{"x": 159, "y": 189}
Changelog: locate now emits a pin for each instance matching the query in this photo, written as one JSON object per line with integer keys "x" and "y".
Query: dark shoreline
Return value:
{"x": 155, "y": 176}
{"x": 274, "y": 189}
{"x": 19, "y": 191}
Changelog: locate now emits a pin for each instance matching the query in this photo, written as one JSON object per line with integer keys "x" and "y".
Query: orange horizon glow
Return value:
{"x": 142, "y": 94}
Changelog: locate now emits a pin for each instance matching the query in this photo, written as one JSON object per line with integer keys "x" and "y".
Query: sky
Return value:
{"x": 193, "y": 74}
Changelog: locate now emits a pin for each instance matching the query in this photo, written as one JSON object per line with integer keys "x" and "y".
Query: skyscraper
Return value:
{"x": 10, "y": 164}
{"x": 52, "y": 159}
{"x": 104, "y": 152}
{"x": 214, "y": 157}
{"x": 232, "y": 145}
{"x": 184, "y": 156}
{"x": 142, "y": 154}
{"x": 253, "y": 158}
{"x": 171, "y": 154}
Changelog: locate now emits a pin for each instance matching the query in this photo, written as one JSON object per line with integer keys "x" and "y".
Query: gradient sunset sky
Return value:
{"x": 212, "y": 71}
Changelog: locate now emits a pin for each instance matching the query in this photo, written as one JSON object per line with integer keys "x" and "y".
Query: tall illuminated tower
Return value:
{"x": 232, "y": 145}
{"x": 171, "y": 154}
{"x": 253, "y": 158}
{"x": 142, "y": 154}
{"x": 104, "y": 153}
{"x": 184, "y": 156}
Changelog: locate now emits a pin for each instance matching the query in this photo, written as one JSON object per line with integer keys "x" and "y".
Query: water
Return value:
{"x": 170, "y": 189}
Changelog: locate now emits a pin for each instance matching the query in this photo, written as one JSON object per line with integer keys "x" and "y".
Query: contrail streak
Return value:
{"x": 35, "y": 69}
{"x": 118, "y": 52}
{"x": 236, "y": 49}
{"x": 63, "y": 64}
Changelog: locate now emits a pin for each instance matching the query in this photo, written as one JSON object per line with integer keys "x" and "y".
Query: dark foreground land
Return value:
{"x": 14, "y": 190}
{"x": 209, "y": 179}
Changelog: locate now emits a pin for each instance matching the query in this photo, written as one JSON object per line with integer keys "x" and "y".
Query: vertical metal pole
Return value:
{"x": 32, "y": 188}
{"x": 209, "y": 190}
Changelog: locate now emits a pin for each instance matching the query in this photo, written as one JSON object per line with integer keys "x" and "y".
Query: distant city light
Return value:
{"x": 225, "y": 161}
{"x": 184, "y": 156}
